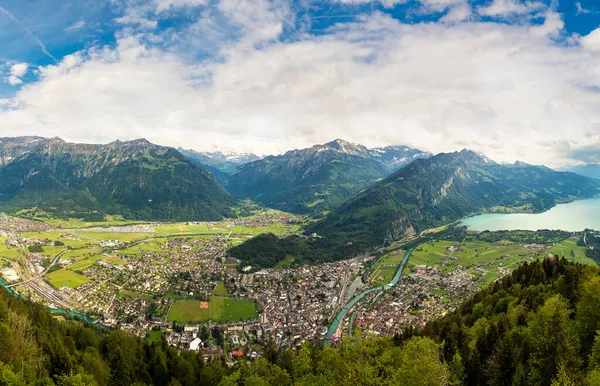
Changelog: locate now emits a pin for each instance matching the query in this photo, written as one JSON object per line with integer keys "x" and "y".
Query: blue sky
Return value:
{"x": 514, "y": 79}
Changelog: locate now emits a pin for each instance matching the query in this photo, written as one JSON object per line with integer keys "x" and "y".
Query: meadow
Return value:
{"x": 566, "y": 247}
{"x": 66, "y": 277}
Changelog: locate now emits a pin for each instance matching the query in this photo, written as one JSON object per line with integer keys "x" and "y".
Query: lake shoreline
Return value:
{"x": 574, "y": 216}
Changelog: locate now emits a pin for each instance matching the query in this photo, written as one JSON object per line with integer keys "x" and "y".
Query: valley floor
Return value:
{"x": 166, "y": 281}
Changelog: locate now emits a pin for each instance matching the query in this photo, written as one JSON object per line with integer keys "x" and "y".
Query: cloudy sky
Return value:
{"x": 514, "y": 79}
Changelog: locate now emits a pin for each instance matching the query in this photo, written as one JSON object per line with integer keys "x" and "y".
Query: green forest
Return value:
{"x": 538, "y": 326}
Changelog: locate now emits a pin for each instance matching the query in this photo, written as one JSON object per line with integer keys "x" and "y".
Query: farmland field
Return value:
{"x": 578, "y": 255}
{"x": 489, "y": 256}
{"x": 84, "y": 263}
{"x": 65, "y": 277}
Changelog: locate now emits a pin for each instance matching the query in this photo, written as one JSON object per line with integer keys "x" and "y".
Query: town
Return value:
{"x": 176, "y": 282}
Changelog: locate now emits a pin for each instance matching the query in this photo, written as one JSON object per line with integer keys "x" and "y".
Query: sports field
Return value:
{"x": 219, "y": 309}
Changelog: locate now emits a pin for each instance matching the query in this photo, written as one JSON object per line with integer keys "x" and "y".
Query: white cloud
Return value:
{"x": 162, "y": 5}
{"x": 591, "y": 41}
{"x": 581, "y": 10}
{"x": 506, "y": 90}
{"x": 457, "y": 13}
{"x": 553, "y": 24}
{"x": 19, "y": 69}
{"x": 13, "y": 80}
{"x": 138, "y": 16}
{"x": 385, "y": 3}
{"x": 507, "y": 8}
{"x": 76, "y": 26}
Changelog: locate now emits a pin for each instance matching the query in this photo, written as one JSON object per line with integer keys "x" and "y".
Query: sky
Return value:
{"x": 516, "y": 80}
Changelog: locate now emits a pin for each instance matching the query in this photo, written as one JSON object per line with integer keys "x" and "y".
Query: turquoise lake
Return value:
{"x": 574, "y": 216}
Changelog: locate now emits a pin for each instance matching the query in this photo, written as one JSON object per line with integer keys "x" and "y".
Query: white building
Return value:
{"x": 195, "y": 344}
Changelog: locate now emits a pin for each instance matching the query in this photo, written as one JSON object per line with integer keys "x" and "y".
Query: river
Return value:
{"x": 572, "y": 217}
{"x": 340, "y": 316}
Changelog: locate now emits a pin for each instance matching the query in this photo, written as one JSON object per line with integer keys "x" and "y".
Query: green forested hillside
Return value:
{"x": 305, "y": 181}
{"x": 135, "y": 179}
{"x": 436, "y": 191}
{"x": 538, "y": 326}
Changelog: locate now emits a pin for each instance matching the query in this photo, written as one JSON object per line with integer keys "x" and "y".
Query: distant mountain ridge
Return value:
{"x": 391, "y": 157}
{"x": 136, "y": 179}
{"x": 221, "y": 165}
{"x": 318, "y": 178}
{"x": 591, "y": 170}
{"x": 437, "y": 191}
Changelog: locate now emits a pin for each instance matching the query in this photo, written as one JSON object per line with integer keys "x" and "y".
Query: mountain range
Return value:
{"x": 367, "y": 197}
{"x": 135, "y": 179}
{"x": 432, "y": 192}
{"x": 318, "y": 178}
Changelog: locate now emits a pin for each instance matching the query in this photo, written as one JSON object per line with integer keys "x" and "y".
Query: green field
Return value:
{"x": 384, "y": 269}
{"x": 52, "y": 251}
{"x": 84, "y": 263}
{"x": 11, "y": 253}
{"x": 438, "y": 292}
{"x": 65, "y": 277}
{"x": 220, "y": 290}
{"x": 286, "y": 263}
{"x": 219, "y": 310}
{"x": 578, "y": 255}
{"x": 487, "y": 256}
{"x": 154, "y": 336}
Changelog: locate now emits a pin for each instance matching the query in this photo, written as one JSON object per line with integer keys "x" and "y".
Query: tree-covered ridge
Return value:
{"x": 135, "y": 179}
{"x": 267, "y": 250}
{"x": 38, "y": 349}
{"x": 433, "y": 192}
{"x": 538, "y": 326}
